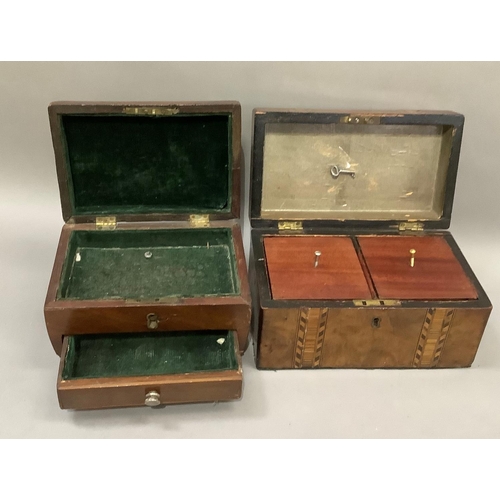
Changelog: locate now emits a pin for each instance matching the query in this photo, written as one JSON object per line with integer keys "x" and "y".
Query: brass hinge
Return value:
{"x": 144, "y": 111}
{"x": 196, "y": 220}
{"x": 105, "y": 223}
{"x": 286, "y": 225}
{"x": 371, "y": 303}
{"x": 411, "y": 226}
{"x": 360, "y": 119}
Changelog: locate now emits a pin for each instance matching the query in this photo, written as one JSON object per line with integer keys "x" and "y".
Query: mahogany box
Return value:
{"x": 148, "y": 302}
{"x": 351, "y": 265}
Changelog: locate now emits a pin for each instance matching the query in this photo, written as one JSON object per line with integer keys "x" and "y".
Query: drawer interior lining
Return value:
{"x": 146, "y": 354}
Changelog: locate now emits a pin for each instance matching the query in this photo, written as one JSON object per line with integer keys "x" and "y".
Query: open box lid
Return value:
{"x": 313, "y": 168}
{"x": 147, "y": 161}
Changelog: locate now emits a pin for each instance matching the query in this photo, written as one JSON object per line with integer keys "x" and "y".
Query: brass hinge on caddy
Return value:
{"x": 293, "y": 226}
{"x": 105, "y": 223}
{"x": 411, "y": 226}
{"x": 360, "y": 119}
{"x": 196, "y": 220}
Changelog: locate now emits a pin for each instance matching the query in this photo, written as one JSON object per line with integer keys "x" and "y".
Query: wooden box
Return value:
{"x": 149, "y": 301}
{"x": 341, "y": 203}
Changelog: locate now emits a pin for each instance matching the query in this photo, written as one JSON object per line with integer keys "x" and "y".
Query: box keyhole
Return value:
{"x": 376, "y": 322}
{"x": 152, "y": 320}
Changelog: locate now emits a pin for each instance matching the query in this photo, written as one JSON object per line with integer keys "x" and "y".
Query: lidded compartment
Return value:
{"x": 135, "y": 163}
{"x": 325, "y": 178}
{"x": 334, "y": 169}
{"x": 434, "y": 274}
{"x": 293, "y": 274}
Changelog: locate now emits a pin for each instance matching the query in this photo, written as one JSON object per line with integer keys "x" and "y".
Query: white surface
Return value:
{"x": 326, "y": 403}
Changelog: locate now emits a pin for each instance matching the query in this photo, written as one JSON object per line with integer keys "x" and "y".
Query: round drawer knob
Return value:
{"x": 152, "y": 399}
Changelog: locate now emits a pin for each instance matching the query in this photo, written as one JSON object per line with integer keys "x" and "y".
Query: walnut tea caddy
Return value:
{"x": 351, "y": 265}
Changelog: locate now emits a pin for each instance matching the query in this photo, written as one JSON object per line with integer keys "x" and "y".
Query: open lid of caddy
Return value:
{"x": 313, "y": 168}
{"x": 147, "y": 161}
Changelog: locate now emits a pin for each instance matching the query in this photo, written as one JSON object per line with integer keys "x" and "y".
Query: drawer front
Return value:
{"x": 106, "y": 382}
{"x": 222, "y": 313}
{"x": 369, "y": 337}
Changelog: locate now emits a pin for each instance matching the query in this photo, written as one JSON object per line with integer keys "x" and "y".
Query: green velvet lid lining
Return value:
{"x": 144, "y": 165}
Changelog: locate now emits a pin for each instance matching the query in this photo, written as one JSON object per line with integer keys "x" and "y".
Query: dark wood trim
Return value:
{"x": 256, "y": 170}
{"x": 347, "y": 112}
{"x": 238, "y": 168}
{"x": 58, "y": 109}
{"x": 349, "y": 225}
{"x": 263, "y": 116}
{"x": 257, "y": 316}
{"x": 114, "y": 107}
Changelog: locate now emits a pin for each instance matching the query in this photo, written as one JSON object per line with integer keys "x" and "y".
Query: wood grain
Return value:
{"x": 463, "y": 337}
{"x": 437, "y": 274}
{"x": 292, "y": 275}
{"x": 351, "y": 339}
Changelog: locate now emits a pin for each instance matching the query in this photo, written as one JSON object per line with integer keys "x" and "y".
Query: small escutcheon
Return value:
{"x": 152, "y": 321}
{"x": 152, "y": 399}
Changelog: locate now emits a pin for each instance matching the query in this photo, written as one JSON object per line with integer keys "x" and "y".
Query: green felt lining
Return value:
{"x": 137, "y": 164}
{"x": 183, "y": 263}
{"x": 162, "y": 353}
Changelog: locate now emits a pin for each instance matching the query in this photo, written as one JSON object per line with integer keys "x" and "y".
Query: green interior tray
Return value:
{"x": 149, "y": 264}
{"x": 160, "y": 353}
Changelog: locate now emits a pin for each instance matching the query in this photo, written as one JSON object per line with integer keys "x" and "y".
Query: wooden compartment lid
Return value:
{"x": 354, "y": 169}
{"x": 147, "y": 161}
{"x": 436, "y": 273}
